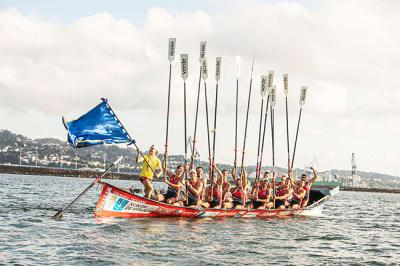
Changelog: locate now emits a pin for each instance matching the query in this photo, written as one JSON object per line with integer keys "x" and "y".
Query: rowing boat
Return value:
{"x": 117, "y": 202}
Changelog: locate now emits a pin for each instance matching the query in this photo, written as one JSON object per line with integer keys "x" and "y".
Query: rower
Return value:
{"x": 223, "y": 178}
{"x": 239, "y": 193}
{"x": 263, "y": 195}
{"x": 307, "y": 185}
{"x": 298, "y": 195}
{"x": 175, "y": 184}
{"x": 282, "y": 193}
{"x": 213, "y": 197}
{"x": 150, "y": 163}
{"x": 195, "y": 187}
{"x": 201, "y": 178}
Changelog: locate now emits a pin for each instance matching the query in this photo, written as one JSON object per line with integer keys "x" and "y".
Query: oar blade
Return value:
{"x": 171, "y": 49}
{"x": 184, "y": 66}
{"x": 285, "y": 84}
{"x": 263, "y": 87}
{"x": 58, "y": 215}
{"x": 303, "y": 94}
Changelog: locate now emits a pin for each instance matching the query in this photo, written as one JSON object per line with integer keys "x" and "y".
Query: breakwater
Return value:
{"x": 49, "y": 171}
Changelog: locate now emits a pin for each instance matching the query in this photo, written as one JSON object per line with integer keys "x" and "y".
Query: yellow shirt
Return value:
{"x": 154, "y": 163}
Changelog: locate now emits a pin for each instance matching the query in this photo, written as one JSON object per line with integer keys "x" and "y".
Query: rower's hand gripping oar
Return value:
{"x": 59, "y": 214}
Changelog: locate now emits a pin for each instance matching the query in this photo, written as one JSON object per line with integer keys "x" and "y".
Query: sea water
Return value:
{"x": 356, "y": 228}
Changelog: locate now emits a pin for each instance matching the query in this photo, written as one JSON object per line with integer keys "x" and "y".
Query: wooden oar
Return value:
{"x": 217, "y": 78}
{"x": 204, "y": 76}
{"x": 263, "y": 91}
{"x": 247, "y": 119}
{"x": 303, "y": 95}
{"x": 171, "y": 57}
{"x": 202, "y": 56}
{"x": 236, "y": 115}
{"x": 184, "y": 75}
{"x": 59, "y": 214}
{"x": 286, "y": 90}
{"x": 269, "y": 88}
{"x": 272, "y": 107}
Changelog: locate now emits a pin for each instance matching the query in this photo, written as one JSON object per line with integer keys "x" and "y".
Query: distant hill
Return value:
{"x": 56, "y": 153}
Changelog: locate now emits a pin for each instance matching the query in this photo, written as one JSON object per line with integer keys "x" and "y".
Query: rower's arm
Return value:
{"x": 219, "y": 174}
{"x": 174, "y": 186}
{"x": 196, "y": 192}
{"x": 315, "y": 173}
{"x": 225, "y": 191}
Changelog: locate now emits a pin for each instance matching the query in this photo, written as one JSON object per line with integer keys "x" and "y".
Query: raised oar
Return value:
{"x": 247, "y": 119}
{"x": 202, "y": 56}
{"x": 204, "y": 76}
{"x": 217, "y": 78}
{"x": 303, "y": 95}
{"x": 273, "y": 102}
{"x": 59, "y": 214}
{"x": 270, "y": 78}
{"x": 171, "y": 57}
{"x": 286, "y": 90}
{"x": 184, "y": 75}
{"x": 263, "y": 91}
{"x": 236, "y": 114}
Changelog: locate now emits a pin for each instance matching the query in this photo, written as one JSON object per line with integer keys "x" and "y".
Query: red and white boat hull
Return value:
{"x": 115, "y": 202}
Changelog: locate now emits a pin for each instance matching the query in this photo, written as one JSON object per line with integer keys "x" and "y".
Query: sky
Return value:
{"x": 58, "y": 58}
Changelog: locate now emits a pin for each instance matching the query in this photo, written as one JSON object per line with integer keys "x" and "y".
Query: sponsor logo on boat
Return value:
{"x": 136, "y": 206}
{"x": 120, "y": 204}
{"x": 207, "y": 214}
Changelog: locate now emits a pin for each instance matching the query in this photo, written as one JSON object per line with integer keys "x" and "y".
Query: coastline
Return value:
{"x": 49, "y": 171}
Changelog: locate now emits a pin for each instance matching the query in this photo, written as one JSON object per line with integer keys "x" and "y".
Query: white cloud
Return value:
{"x": 346, "y": 52}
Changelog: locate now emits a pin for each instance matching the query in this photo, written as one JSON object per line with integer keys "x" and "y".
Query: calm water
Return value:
{"x": 357, "y": 228}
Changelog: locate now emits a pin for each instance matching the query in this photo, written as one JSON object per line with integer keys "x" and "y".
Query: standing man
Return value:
{"x": 150, "y": 163}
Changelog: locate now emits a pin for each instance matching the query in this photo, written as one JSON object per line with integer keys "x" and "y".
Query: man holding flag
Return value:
{"x": 150, "y": 163}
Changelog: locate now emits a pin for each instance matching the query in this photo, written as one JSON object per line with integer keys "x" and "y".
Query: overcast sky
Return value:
{"x": 59, "y": 57}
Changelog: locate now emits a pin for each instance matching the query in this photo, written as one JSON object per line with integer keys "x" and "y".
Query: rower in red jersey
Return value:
{"x": 175, "y": 183}
{"x": 223, "y": 181}
{"x": 263, "y": 193}
{"x": 213, "y": 195}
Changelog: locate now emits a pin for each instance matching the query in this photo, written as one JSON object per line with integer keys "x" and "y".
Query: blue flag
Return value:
{"x": 98, "y": 126}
